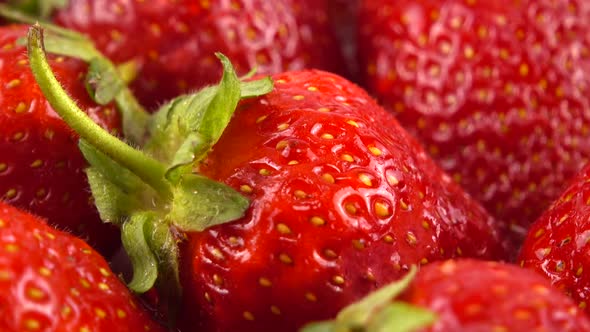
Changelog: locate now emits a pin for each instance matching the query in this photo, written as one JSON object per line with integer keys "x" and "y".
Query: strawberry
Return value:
{"x": 497, "y": 91}
{"x": 52, "y": 281}
{"x": 463, "y": 295}
{"x": 557, "y": 245}
{"x": 329, "y": 197}
{"x": 320, "y": 168}
{"x": 174, "y": 41}
{"x": 41, "y": 167}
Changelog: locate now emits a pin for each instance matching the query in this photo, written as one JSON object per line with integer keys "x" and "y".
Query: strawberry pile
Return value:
{"x": 312, "y": 166}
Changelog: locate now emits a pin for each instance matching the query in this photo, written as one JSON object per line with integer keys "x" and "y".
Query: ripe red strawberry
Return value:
{"x": 175, "y": 41}
{"x": 52, "y": 281}
{"x": 497, "y": 91}
{"x": 342, "y": 200}
{"x": 466, "y": 295}
{"x": 41, "y": 167}
{"x": 558, "y": 245}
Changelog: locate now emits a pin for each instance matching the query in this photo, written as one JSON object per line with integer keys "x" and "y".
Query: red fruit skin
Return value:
{"x": 497, "y": 91}
{"x": 343, "y": 200}
{"x": 41, "y": 167}
{"x": 175, "y": 41}
{"x": 52, "y": 281}
{"x": 476, "y": 296}
{"x": 557, "y": 245}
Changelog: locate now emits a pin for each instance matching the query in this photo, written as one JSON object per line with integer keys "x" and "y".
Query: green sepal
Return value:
{"x": 102, "y": 81}
{"x": 164, "y": 245}
{"x": 135, "y": 240}
{"x": 378, "y": 312}
{"x": 39, "y": 8}
{"x": 192, "y": 146}
{"x": 204, "y": 115}
{"x": 250, "y": 74}
{"x": 184, "y": 130}
{"x": 114, "y": 188}
{"x": 46, "y": 7}
{"x": 325, "y": 326}
{"x": 128, "y": 71}
{"x": 153, "y": 250}
{"x": 134, "y": 118}
{"x": 401, "y": 317}
{"x": 113, "y": 204}
{"x": 115, "y": 173}
{"x": 162, "y": 211}
{"x": 200, "y": 202}
{"x": 68, "y": 43}
{"x": 256, "y": 88}
{"x": 357, "y": 314}
{"x": 104, "y": 84}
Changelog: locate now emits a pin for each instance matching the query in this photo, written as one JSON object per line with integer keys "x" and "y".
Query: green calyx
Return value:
{"x": 379, "y": 312}
{"x": 152, "y": 193}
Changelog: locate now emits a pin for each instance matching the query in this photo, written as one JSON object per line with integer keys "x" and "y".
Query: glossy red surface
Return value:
{"x": 175, "y": 41}
{"x": 343, "y": 201}
{"x": 497, "y": 91}
{"x": 469, "y": 295}
{"x": 41, "y": 167}
{"x": 52, "y": 281}
{"x": 558, "y": 244}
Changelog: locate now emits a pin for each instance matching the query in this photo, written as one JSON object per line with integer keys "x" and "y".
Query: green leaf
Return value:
{"x": 145, "y": 264}
{"x": 200, "y": 203}
{"x": 401, "y": 317}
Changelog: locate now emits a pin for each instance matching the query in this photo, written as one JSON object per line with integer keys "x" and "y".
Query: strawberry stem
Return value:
{"x": 148, "y": 169}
